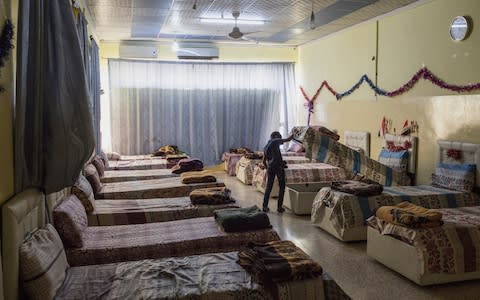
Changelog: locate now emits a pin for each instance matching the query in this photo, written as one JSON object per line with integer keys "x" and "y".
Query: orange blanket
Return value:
{"x": 410, "y": 215}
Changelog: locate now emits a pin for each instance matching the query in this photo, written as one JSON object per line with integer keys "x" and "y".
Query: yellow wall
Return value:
{"x": 406, "y": 40}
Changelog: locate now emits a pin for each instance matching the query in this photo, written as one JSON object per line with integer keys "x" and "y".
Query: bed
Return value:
{"x": 154, "y": 188}
{"x": 298, "y": 173}
{"x": 141, "y": 211}
{"x": 133, "y": 175}
{"x": 230, "y": 161}
{"x": 140, "y": 164}
{"x": 429, "y": 256}
{"x": 25, "y": 213}
{"x": 343, "y": 215}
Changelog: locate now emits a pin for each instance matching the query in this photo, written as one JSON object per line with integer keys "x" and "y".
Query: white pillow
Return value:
{"x": 43, "y": 263}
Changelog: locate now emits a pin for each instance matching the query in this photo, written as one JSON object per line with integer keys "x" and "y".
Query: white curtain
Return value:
{"x": 204, "y": 108}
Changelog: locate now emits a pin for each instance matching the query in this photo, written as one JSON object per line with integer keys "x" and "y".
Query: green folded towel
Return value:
{"x": 242, "y": 219}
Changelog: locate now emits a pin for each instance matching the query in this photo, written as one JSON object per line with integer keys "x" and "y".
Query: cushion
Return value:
{"x": 99, "y": 165}
{"x": 92, "y": 176}
{"x": 71, "y": 221}
{"x": 295, "y": 147}
{"x": 43, "y": 263}
{"x": 83, "y": 190}
{"x": 397, "y": 160}
{"x": 460, "y": 177}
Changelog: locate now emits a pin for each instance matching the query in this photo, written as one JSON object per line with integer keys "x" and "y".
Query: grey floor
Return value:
{"x": 359, "y": 276}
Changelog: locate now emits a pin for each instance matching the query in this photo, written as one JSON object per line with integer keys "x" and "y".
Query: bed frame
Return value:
{"x": 21, "y": 215}
{"x": 413, "y": 151}
{"x": 358, "y": 139}
{"x": 405, "y": 260}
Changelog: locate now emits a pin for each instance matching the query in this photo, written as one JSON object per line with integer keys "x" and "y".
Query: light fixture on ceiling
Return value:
{"x": 312, "y": 19}
{"x": 231, "y": 21}
{"x": 194, "y": 4}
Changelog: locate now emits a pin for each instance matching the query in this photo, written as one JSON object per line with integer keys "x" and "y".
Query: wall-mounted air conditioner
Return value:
{"x": 187, "y": 50}
{"x": 138, "y": 51}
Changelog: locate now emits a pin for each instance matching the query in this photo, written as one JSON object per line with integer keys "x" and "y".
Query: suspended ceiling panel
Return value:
{"x": 285, "y": 22}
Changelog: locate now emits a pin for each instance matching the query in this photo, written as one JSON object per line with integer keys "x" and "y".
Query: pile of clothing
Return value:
{"x": 242, "y": 219}
{"x": 198, "y": 177}
{"x": 211, "y": 196}
{"x": 278, "y": 261}
{"x": 187, "y": 165}
{"x": 409, "y": 215}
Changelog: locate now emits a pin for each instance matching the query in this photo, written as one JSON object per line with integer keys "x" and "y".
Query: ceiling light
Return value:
{"x": 312, "y": 19}
{"x": 232, "y": 21}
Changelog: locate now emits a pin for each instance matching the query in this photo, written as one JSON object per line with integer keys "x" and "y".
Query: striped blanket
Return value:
{"x": 449, "y": 249}
{"x": 350, "y": 211}
{"x": 278, "y": 261}
{"x": 331, "y": 152}
{"x": 141, "y": 211}
{"x": 109, "y": 244}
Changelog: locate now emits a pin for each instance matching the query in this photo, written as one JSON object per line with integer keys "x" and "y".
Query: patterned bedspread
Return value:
{"x": 141, "y": 211}
{"x": 326, "y": 150}
{"x": 452, "y": 248}
{"x": 245, "y": 166}
{"x": 208, "y": 276}
{"x": 108, "y": 244}
{"x": 140, "y": 164}
{"x": 351, "y": 211}
{"x": 132, "y": 175}
{"x": 155, "y": 188}
{"x": 301, "y": 173}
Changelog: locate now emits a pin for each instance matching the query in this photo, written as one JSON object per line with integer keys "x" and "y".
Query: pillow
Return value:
{"x": 104, "y": 158}
{"x": 455, "y": 176}
{"x": 71, "y": 221}
{"x": 295, "y": 147}
{"x": 92, "y": 176}
{"x": 83, "y": 190}
{"x": 397, "y": 160}
{"x": 113, "y": 156}
{"x": 99, "y": 165}
{"x": 43, "y": 263}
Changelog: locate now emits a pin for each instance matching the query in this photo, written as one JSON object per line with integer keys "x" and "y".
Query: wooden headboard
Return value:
{"x": 469, "y": 154}
{"x": 21, "y": 215}
{"x": 413, "y": 150}
{"x": 358, "y": 139}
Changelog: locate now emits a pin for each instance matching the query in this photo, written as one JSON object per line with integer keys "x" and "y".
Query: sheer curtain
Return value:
{"x": 204, "y": 108}
{"x": 53, "y": 127}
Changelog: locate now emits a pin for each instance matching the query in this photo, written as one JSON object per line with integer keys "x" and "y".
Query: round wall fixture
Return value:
{"x": 460, "y": 28}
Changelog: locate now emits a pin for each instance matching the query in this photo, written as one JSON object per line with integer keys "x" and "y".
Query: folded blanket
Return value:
{"x": 242, "y": 219}
{"x": 211, "y": 196}
{"x": 410, "y": 215}
{"x": 199, "y": 179}
{"x": 241, "y": 150}
{"x": 358, "y": 188}
{"x": 278, "y": 261}
{"x": 255, "y": 155}
{"x": 198, "y": 173}
{"x": 165, "y": 150}
{"x": 186, "y": 165}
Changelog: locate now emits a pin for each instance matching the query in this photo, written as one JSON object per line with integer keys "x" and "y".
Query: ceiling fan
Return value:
{"x": 236, "y": 34}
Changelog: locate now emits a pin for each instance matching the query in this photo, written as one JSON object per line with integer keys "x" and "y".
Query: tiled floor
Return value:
{"x": 360, "y": 276}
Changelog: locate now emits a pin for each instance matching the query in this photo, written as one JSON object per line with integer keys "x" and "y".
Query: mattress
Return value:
{"x": 141, "y": 164}
{"x": 141, "y": 211}
{"x": 208, "y": 276}
{"x": 344, "y": 215}
{"x": 230, "y": 161}
{"x": 245, "y": 166}
{"x": 299, "y": 173}
{"x": 434, "y": 255}
{"x": 109, "y": 244}
{"x": 155, "y": 188}
{"x": 132, "y": 175}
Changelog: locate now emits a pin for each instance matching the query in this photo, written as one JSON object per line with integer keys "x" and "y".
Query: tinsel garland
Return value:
{"x": 5, "y": 43}
{"x": 424, "y": 73}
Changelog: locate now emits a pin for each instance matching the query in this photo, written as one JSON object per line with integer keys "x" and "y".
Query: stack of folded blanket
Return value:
{"x": 166, "y": 150}
{"x": 242, "y": 219}
{"x": 211, "y": 196}
{"x": 198, "y": 177}
{"x": 254, "y": 155}
{"x": 278, "y": 261}
{"x": 410, "y": 215}
{"x": 187, "y": 164}
{"x": 358, "y": 188}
